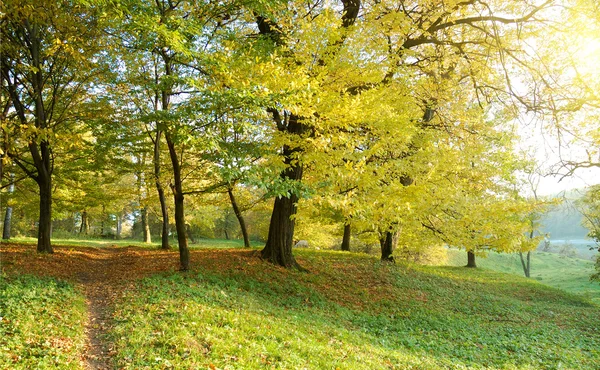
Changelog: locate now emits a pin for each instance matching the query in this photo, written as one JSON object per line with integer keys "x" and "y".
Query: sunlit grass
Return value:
{"x": 351, "y": 312}
{"x": 570, "y": 274}
{"x": 41, "y": 324}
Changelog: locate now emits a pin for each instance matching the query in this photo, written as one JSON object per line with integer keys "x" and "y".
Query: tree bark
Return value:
{"x": 177, "y": 188}
{"x": 471, "y": 259}
{"x": 387, "y": 247}
{"x": 7, "y": 221}
{"x": 85, "y": 223}
{"x": 161, "y": 193}
{"x": 240, "y": 217}
{"x": 145, "y": 225}
{"x": 119, "y": 227}
{"x": 278, "y": 249}
{"x": 45, "y": 220}
{"x": 9, "y": 210}
{"x": 346, "y": 238}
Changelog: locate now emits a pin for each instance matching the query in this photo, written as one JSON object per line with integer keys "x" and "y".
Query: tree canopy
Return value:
{"x": 396, "y": 120}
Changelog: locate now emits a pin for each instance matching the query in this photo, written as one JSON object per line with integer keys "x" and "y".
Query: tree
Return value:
{"x": 418, "y": 42}
{"x": 47, "y": 67}
{"x": 590, "y": 207}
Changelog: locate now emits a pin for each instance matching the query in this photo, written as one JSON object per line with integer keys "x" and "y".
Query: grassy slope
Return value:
{"x": 350, "y": 312}
{"x": 570, "y": 274}
{"x": 235, "y": 312}
{"x": 41, "y": 323}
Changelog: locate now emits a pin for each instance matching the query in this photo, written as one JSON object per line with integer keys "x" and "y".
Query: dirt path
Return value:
{"x": 99, "y": 289}
{"x": 104, "y": 274}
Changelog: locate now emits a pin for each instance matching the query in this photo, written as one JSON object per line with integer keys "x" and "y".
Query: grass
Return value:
{"x": 100, "y": 243}
{"x": 234, "y": 311}
{"x": 351, "y": 312}
{"x": 41, "y": 323}
{"x": 570, "y": 274}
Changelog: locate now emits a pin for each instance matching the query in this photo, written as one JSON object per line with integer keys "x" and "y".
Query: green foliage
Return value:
{"x": 41, "y": 323}
{"x": 352, "y": 312}
{"x": 590, "y": 207}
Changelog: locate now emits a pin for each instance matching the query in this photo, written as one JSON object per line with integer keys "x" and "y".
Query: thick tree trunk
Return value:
{"x": 145, "y": 226}
{"x": 346, "y": 238}
{"x": 526, "y": 264}
{"x": 278, "y": 249}
{"x": 471, "y": 259}
{"x": 240, "y": 217}
{"x": 387, "y": 247}
{"x": 45, "y": 220}
{"x": 177, "y": 187}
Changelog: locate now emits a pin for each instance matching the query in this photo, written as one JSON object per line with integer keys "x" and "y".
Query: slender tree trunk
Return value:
{"x": 45, "y": 220}
{"x": 346, "y": 238}
{"x": 85, "y": 223}
{"x": 119, "y": 227}
{"x": 161, "y": 193}
{"x": 240, "y": 217}
{"x": 7, "y": 221}
{"x": 387, "y": 247}
{"x": 278, "y": 249}
{"x": 9, "y": 210}
{"x": 145, "y": 226}
{"x": 471, "y": 259}
{"x": 526, "y": 263}
{"x": 177, "y": 187}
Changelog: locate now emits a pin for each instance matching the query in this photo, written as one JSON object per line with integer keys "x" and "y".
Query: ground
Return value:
{"x": 100, "y": 272}
{"x": 235, "y": 311}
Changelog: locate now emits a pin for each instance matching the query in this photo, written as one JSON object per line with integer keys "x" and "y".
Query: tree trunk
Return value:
{"x": 161, "y": 194}
{"x": 240, "y": 217}
{"x": 471, "y": 259}
{"x": 45, "y": 220}
{"x": 85, "y": 223}
{"x": 346, "y": 238}
{"x": 7, "y": 221}
{"x": 177, "y": 187}
{"x": 526, "y": 264}
{"x": 387, "y": 247}
{"x": 9, "y": 210}
{"x": 146, "y": 226}
{"x": 278, "y": 249}
{"x": 119, "y": 227}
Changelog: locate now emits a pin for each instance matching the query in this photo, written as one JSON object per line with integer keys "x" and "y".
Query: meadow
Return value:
{"x": 235, "y": 311}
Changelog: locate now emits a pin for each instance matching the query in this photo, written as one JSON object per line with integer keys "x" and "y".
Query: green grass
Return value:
{"x": 570, "y": 274}
{"x": 351, "y": 312}
{"x": 41, "y": 323}
{"x": 99, "y": 243}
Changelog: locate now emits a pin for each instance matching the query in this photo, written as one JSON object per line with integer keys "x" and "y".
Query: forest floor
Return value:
{"x": 102, "y": 273}
{"x": 119, "y": 307}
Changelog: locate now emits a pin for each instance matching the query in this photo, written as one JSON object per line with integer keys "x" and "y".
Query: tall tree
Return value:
{"x": 46, "y": 64}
